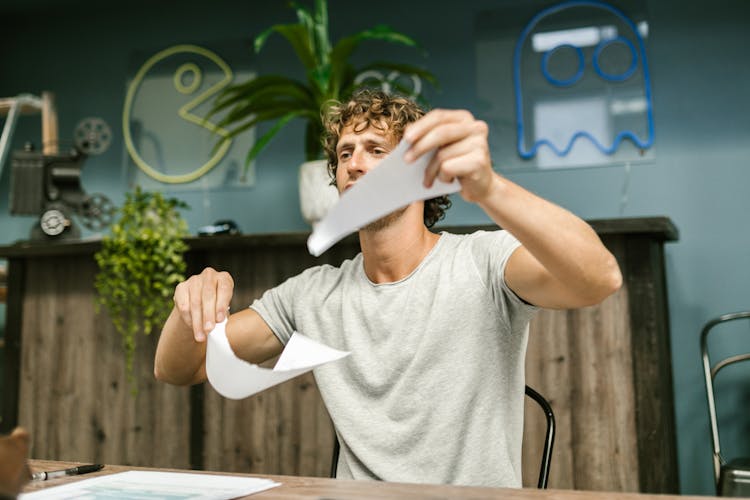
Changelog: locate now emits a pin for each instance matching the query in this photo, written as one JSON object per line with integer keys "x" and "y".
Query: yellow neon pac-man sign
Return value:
{"x": 184, "y": 112}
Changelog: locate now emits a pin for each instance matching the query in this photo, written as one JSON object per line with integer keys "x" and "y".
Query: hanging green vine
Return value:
{"x": 140, "y": 263}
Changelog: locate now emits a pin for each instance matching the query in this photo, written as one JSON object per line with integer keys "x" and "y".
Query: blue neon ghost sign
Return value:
{"x": 596, "y": 81}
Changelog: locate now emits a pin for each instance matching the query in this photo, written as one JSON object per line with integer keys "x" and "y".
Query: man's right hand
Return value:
{"x": 203, "y": 300}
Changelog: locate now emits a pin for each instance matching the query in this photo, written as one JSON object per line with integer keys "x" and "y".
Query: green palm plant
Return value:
{"x": 329, "y": 75}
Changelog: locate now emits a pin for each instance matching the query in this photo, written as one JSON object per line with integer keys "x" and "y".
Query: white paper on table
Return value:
{"x": 155, "y": 484}
{"x": 389, "y": 186}
{"x": 235, "y": 378}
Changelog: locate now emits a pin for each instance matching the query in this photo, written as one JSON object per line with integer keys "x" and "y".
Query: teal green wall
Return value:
{"x": 701, "y": 76}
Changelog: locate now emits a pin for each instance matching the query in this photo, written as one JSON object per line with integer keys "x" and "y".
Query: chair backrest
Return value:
{"x": 549, "y": 436}
{"x": 709, "y": 373}
{"x": 549, "y": 440}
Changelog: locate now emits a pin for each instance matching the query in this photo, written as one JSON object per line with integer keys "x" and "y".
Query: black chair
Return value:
{"x": 549, "y": 440}
{"x": 732, "y": 478}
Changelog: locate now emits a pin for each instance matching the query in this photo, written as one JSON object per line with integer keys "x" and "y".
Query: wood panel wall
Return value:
{"x": 591, "y": 364}
{"x": 581, "y": 362}
{"x": 74, "y": 396}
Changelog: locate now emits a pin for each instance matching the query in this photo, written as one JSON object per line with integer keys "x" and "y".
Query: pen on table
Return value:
{"x": 73, "y": 471}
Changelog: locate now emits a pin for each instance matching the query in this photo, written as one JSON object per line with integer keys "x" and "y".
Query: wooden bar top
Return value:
{"x": 293, "y": 487}
{"x": 659, "y": 228}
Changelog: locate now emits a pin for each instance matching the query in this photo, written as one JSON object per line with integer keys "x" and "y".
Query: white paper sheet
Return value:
{"x": 389, "y": 186}
{"x": 235, "y": 378}
{"x": 154, "y": 484}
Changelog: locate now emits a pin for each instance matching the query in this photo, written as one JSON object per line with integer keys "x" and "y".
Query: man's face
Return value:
{"x": 358, "y": 152}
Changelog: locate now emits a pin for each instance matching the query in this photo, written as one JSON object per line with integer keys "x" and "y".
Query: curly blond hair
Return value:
{"x": 386, "y": 112}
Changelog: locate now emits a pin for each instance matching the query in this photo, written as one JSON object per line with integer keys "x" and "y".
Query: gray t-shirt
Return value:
{"x": 433, "y": 389}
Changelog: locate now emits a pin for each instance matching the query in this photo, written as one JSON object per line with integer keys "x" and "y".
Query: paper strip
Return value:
{"x": 235, "y": 378}
{"x": 389, "y": 186}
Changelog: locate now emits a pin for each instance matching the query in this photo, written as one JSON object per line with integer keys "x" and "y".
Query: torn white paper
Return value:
{"x": 235, "y": 378}
{"x": 389, "y": 186}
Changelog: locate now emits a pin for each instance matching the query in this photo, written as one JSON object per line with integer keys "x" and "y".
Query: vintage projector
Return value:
{"x": 49, "y": 185}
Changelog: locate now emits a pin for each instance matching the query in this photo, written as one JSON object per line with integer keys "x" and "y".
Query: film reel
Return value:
{"x": 96, "y": 212}
{"x": 92, "y": 136}
{"x": 53, "y": 222}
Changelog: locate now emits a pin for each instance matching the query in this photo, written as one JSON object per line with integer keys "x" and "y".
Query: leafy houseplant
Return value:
{"x": 329, "y": 75}
{"x": 140, "y": 263}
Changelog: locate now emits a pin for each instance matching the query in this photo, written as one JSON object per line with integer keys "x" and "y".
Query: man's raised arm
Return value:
{"x": 562, "y": 263}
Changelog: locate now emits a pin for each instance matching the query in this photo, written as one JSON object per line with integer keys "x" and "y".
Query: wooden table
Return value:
{"x": 294, "y": 487}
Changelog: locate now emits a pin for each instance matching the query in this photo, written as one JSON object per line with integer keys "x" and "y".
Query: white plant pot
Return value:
{"x": 316, "y": 195}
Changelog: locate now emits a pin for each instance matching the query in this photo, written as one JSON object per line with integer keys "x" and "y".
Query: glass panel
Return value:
{"x": 565, "y": 86}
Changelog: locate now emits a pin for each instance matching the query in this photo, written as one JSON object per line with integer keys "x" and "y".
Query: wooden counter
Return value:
{"x": 606, "y": 371}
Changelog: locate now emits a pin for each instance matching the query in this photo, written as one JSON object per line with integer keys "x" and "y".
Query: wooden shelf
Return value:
{"x": 659, "y": 228}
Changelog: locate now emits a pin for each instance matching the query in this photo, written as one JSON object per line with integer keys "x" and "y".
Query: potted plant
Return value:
{"x": 329, "y": 75}
{"x": 140, "y": 263}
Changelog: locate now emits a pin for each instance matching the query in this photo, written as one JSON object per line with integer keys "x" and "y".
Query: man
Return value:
{"x": 436, "y": 323}
{"x": 14, "y": 470}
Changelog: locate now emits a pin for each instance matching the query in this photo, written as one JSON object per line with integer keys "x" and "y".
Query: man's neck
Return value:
{"x": 393, "y": 252}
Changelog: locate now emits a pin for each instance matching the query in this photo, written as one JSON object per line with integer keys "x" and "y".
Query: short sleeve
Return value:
{"x": 275, "y": 306}
{"x": 491, "y": 252}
